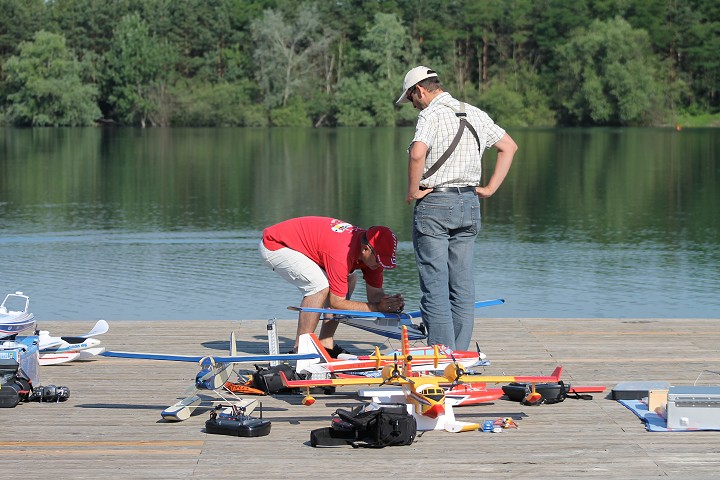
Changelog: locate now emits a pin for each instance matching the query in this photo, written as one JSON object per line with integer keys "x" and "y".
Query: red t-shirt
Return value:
{"x": 333, "y": 244}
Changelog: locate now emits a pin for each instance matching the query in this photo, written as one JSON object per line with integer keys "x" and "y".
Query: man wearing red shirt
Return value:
{"x": 319, "y": 255}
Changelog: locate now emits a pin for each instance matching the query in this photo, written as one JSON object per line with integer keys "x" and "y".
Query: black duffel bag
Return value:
{"x": 386, "y": 426}
{"x": 269, "y": 380}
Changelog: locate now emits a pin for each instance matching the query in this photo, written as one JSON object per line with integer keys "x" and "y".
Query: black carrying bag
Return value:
{"x": 15, "y": 385}
{"x": 269, "y": 380}
{"x": 389, "y": 425}
{"x": 550, "y": 392}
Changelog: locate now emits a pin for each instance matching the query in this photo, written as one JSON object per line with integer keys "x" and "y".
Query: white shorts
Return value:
{"x": 296, "y": 268}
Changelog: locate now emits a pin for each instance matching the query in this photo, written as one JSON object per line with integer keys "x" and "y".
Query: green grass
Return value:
{"x": 704, "y": 120}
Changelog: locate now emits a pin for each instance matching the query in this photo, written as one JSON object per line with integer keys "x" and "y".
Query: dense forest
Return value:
{"x": 341, "y": 62}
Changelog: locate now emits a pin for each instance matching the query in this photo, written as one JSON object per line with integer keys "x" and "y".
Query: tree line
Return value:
{"x": 342, "y": 62}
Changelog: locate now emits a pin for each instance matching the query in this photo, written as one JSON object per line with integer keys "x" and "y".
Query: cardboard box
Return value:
{"x": 657, "y": 399}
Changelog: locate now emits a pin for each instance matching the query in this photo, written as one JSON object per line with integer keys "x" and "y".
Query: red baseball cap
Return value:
{"x": 384, "y": 242}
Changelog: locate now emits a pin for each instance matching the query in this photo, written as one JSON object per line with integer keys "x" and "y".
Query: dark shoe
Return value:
{"x": 337, "y": 350}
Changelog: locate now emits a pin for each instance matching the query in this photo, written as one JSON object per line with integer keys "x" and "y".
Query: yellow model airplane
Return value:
{"x": 426, "y": 393}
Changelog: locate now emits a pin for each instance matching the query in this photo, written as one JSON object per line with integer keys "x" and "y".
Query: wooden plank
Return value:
{"x": 112, "y": 420}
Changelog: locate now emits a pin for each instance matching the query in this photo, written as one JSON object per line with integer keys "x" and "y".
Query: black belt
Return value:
{"x": 469, "y": 188}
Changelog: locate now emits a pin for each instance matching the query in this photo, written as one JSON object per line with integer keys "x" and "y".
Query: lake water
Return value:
{"x": 164, "y": 223}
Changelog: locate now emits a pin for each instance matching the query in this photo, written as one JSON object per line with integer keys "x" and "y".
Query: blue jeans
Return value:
{"x": 445, "y": 225}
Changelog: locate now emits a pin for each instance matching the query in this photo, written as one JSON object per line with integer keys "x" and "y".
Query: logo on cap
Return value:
{"x": 384, "y": 242}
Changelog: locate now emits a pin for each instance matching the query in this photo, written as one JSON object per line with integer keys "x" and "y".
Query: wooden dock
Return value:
{"x": 111, "y": 425}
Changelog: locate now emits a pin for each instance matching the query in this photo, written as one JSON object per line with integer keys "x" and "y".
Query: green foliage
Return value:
{"x": 213, "y": 105}
{"x": 44, "y": 86}
{"x": 138, "y": 74}
{"x": 607, "y": 75}
{"x": 517, "y": 102}
{"x": 364, "y": 101}
{"x": 255, "y": 116}
{"x": 88, "y": 24}
{"x": 385, "y": 42}
{"x": 285, "y": 52}
{"x": 294, "y": 114}
{"x": 19, "y": 20}
{"x": 586, "y": 62}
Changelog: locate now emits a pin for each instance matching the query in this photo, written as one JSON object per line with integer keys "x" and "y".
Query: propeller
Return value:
{"x": 454, "y": 371}
{"x": 308, "y": 399}
{"x": 533, "y": 398}
{"x": 394, "y": 373}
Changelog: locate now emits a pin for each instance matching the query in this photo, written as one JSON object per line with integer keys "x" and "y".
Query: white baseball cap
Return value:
{"x": 417, "y": 74}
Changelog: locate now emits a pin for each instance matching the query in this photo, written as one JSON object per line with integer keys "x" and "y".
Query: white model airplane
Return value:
{"x": 55, "y": 350}
{"x": 214, "y": 373}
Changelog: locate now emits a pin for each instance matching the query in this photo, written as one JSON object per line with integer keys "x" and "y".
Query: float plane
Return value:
{"x": 425, "y": 395}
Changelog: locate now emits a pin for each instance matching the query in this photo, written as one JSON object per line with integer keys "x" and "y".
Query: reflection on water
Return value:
{"x": 164, "y": 223}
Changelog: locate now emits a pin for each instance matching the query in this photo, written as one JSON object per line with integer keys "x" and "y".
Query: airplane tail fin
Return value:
{"x": 233, "y": 345}
{"x": 556, "y": 373}
{"x": 407, "y": 366}
{"x": 309, "y": 343}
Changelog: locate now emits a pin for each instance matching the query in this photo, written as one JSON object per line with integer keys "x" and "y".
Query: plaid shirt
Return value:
{"x": 437, "y": 126}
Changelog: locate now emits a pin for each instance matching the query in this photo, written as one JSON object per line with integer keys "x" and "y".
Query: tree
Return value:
{"x": 44, "y": 85}
{"x": 387, "y": 47}
{"x": 285, "y": 53}
{"x": 607, "y": 75}
{"x": 367, "y": 99}
{"x": 138, "y": 74}
{"x": 19, "y": 20}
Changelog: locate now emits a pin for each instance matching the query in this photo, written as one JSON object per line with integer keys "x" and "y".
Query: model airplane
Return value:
{"x": 424, "y": 359}
{"x": 55, "y": 350}
{"x": 385, "y": 324}
{"x": 214, "y": 373}
{"x": 425, "y": 395}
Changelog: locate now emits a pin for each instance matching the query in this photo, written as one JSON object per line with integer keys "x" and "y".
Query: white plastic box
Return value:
{"x": 693, "y": 408}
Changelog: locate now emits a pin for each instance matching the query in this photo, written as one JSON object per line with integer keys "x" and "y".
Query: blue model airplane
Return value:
{"x": 385, "y": 324}
{"x": 214, "y": 373}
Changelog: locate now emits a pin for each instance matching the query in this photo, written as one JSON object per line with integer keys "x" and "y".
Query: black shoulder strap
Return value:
{"x": 463, "y": 124}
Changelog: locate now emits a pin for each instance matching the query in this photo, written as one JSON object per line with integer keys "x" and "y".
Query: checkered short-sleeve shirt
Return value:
{"x": 437, "y": 126}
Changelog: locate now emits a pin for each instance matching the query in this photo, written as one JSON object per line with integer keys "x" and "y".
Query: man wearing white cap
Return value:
{"x": 319, "y": 255}
{"x": 444, "y": 180}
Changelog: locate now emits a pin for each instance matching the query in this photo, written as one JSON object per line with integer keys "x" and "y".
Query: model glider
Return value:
{"x": 212, "y": 377}
{"x": 385, "y": 324}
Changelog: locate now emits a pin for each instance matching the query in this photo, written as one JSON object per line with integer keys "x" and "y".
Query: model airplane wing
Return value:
{"x": 480, "y": 304}
{"x": 327, "y": 382}
{"x": 422, "y": 379}
{"x": 217, "y": 359}
{"x": 401, "y": 315}
{"x": 351, "y": 313}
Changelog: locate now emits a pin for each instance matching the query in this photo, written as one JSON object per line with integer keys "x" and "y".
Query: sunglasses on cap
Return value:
{"x": 411, "y": 92}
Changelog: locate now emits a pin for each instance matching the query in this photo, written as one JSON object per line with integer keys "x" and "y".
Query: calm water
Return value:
{"x": 164, "y": 223}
